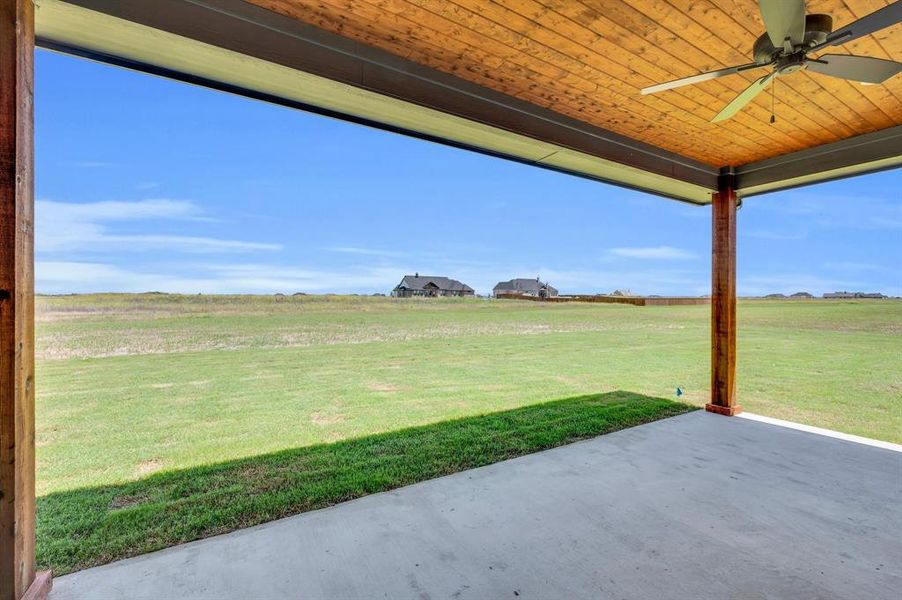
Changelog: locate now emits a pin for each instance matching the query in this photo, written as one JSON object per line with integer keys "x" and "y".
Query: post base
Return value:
{"x": 727, "y": 411}
{"x": 40, "y": 587}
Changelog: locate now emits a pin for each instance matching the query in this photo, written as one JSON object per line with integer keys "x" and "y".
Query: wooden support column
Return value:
{"x": 723, "y": 299}
{"x": 17, "y": 493}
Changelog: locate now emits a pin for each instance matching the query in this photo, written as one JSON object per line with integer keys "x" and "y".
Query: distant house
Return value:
{"x": 525, "y": 287}
{"x": 430, "y": 286}
{"x": 801, "y": 295}
{"x": 847, "y": 295}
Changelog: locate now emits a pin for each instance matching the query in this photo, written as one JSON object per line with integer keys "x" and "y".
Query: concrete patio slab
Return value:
{"x": 696, "y": 506}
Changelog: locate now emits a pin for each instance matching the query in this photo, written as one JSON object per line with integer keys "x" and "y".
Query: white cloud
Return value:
{"x": 639, "y": 281}
{"x": 54, "y": 277}
{"x": 365, "y": 251}
{"x": 264, "y": 278}
{"x": 763, "y": 234}
{"x": 185, "y": 243}
{"x": 789, "y": 283}
{"x": 846, "y": 265}
{"x": 835, "y": 212}
{"x": 161, "y": 208}
{"x": 652, "y": 253}
{"x": 653, "y": 280}
{"x": 70, "y": 227}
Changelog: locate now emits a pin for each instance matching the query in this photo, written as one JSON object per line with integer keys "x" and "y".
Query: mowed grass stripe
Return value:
{"x": 85, "y": 527}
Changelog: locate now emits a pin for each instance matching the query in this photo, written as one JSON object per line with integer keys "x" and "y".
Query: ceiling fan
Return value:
{"x": 791, "y": 36}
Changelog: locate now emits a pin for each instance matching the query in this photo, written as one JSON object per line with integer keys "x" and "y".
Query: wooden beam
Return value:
{"x": 723, "y": 300}
{"x": 17, "y": 463}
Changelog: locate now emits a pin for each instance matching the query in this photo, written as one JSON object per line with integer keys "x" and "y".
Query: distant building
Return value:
{"x": 525, "y": 287}
{"x": 627, "y": 293}
{"x": 848, "y": 295}
{"x": 802, "y": 295}
{"x": 430, "y": 287}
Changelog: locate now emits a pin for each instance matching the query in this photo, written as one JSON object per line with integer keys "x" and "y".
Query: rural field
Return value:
{"x": 164, "y": 418}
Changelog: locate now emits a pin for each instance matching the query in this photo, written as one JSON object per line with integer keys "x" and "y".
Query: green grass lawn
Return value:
{"x": 166, "y": 418}
{"x": 89, "y": 526}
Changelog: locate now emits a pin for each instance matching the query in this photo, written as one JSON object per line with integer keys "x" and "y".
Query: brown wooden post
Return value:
{"x": 17, "y": 501}
{"x": 723, "y": 299}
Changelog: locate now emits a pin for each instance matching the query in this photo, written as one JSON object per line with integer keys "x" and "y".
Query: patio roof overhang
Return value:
{"x": 496, "y": 83}
{"x": 551, "y": 83}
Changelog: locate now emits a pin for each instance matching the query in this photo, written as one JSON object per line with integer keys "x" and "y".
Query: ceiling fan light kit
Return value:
{"x": 790, "y": 38}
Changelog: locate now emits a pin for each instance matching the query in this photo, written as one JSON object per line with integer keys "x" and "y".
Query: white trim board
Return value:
{"x": 820, "y": 431}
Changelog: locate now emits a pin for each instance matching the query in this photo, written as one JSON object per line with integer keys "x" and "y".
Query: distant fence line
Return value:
{"x": 633, "y": 300}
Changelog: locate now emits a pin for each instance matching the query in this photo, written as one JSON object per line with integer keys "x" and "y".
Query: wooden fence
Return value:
{"x": 633, "y": 300}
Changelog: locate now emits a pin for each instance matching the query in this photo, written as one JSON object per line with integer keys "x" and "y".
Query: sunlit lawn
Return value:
{"x": 132, "y": 389}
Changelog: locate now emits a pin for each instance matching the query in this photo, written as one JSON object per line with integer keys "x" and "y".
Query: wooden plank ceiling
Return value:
{"x": 588, "y": 59}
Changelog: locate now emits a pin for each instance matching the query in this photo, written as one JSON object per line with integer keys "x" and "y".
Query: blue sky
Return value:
{"x": 148, "y": 184}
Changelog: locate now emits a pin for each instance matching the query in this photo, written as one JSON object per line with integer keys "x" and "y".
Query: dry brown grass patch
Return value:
{"x": 324, "y": 420}
{"x": 378, "y": 386}
{"x": 146, "y": 467}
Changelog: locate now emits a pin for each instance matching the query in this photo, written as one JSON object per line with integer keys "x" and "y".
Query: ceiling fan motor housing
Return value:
{"x": 791, "y": 36}
{"x": 817, "y": 27}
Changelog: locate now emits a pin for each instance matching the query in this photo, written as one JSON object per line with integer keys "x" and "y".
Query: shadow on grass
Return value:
{"x": 91, "y": 526}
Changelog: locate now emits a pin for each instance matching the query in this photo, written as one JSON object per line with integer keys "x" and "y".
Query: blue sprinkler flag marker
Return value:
{"x": 679, "y": 392}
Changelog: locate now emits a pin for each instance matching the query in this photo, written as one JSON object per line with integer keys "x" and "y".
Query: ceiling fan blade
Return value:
{"x": 697, "y": 78}
{"x": 856, "y": 68}
{"x": 784, "y": 19}
{"x": 744, "y": 98}
{"x": 877, "y": 20}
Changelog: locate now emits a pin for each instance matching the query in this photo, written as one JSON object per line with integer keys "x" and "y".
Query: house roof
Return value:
{"x": 552, "y": 84}
{"x": 419, "y": 282}
{"x": 523, "y": 285}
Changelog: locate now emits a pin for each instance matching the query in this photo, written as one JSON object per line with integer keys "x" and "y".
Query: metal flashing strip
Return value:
{"x": 868, "y": 153}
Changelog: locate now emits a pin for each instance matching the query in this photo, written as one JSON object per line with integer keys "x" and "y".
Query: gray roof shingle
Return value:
{"x": 419, "y": 282}
{"x": 529, "y": 286}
